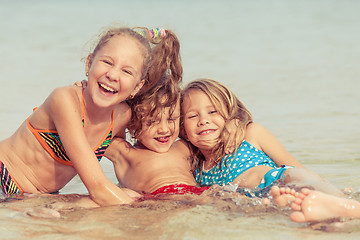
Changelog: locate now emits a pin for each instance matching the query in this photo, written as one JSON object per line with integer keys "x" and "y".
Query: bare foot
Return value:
{"x": 283, "y": 197}
{"x": 312, "y": 206}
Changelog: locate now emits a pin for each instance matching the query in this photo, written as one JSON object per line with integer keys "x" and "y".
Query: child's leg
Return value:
{"x": 301, "y": 177}
{"x": 312, "y": 206}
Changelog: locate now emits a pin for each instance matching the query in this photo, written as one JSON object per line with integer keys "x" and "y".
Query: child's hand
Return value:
{"x": 132, "y": 193}
{"x": 231, "y": 128}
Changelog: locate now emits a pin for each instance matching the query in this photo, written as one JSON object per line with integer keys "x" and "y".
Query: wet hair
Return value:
{"x": 228, "y": 106}
{"x": 165, "y": 94}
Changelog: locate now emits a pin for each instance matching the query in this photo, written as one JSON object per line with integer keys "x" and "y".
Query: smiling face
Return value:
{"x": 115, "y": 71}
{"x": 161, "y": 131}
{"x": 202, "y": 122}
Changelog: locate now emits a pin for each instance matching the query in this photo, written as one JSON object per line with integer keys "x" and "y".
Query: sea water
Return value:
{"x": 295, "y": 64}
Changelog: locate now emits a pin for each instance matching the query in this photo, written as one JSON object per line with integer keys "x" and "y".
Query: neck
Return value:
{"x": 92, "y": 111}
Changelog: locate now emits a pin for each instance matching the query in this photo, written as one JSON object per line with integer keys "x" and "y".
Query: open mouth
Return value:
{"x": 206, "y": 131}
{"x": 106, "y": 88}
{"x": 163, "y": 139}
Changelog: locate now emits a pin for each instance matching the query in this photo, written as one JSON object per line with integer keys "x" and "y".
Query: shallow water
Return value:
{"x": 293, "y": 63}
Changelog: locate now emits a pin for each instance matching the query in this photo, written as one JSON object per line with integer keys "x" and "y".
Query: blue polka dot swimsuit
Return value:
{"x": 247, "y": 156}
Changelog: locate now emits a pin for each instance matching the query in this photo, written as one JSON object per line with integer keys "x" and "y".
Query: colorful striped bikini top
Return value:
{"x": 50, "y": 140}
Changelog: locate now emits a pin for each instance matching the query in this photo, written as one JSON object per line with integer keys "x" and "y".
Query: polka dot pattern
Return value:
{"x": 247, "y": 156}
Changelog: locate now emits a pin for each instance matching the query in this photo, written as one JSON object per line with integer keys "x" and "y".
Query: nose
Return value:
{"x": 203, "y": 120}
{"x": 163, "y": 127}
{"x": 112, "y": 74}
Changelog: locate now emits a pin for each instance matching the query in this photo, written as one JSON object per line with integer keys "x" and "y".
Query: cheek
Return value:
{"x": 175, "y": 128}
{"x": 190, "y": 123}
{"x": 188, "y": 129}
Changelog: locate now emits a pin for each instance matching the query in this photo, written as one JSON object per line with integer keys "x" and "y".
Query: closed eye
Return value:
{"x": 107, "y": 62}
{"x": 128, "y": 72}
{"x": 213, "y": 112}
{"x": 192, "y": 116}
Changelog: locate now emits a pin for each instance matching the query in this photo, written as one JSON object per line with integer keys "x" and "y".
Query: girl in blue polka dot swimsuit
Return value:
{"x": 211, "y": 114}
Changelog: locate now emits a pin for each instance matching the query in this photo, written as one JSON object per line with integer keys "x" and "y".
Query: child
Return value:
{"x": 260, "y": 159}
{"x": 156, "y": 163}
{"x": 69, "y": 132}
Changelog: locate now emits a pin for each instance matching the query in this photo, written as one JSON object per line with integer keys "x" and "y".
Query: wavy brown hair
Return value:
{"x": 165, "y": 94}
{"x": 165, "y": 60}
{"x": 162, "y": 87}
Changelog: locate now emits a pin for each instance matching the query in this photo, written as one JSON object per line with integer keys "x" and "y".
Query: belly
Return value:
{"x": 150, "y": 181}
{"x": 32, "y": 168}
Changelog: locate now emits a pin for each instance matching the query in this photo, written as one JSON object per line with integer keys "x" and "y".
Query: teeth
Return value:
{"x": 162, "y": 139}
{"x": 205, "y": 132}
{"x": 107, "y": 88}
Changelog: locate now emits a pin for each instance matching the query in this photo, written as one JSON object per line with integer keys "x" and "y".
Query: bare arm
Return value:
{"x": 66, "y": 115}
{"x": 270, "y": 145}
{"x": 116, "y": 153}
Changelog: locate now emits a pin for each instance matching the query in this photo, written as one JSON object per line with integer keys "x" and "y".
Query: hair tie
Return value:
{"x": 142, "y": 31}
{"x": 154, "y": 34}
{"x": 157, "y": 33}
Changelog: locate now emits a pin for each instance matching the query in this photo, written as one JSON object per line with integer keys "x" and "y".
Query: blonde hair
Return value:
{"x": 229, "y": 107}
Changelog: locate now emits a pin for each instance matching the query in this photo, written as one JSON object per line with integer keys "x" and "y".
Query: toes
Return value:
{"x": 305, "y": 191}
{"x": 275, "y": 191}
{"x": 297, "y": 217}
{"x": 288, "y": 191}
{"x": 294, "y": 206}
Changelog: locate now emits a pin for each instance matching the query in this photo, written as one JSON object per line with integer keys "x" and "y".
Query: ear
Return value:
{"x": 137, "y": 88}
{"x": 88, "y": 63}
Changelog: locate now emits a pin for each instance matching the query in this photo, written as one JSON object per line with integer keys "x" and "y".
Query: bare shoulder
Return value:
{"x": 181, "y": 145}
{"x": 64, "y": 95}
{"x": 118, "y": 149}
{"x": 255, "y": 129}
{"x": 256, "y": 134}
{"x": 61, "y": 103}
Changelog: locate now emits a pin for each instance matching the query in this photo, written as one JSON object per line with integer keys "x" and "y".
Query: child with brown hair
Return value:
{"x": 157, "y": 162}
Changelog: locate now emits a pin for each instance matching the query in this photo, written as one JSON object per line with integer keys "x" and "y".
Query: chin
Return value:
{"x": 163, "y": 149}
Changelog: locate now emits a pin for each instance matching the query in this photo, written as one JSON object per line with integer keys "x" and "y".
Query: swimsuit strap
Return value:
{"x": 51, "y": 142}
{"x": 99, "y": 150}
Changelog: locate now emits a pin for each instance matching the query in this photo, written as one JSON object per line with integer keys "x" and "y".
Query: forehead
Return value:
{"x": 166, "y": 112}
{"x": 173, "y": 110}
{"x": 127, "y": 46}
{"x": 196, "y": 97}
